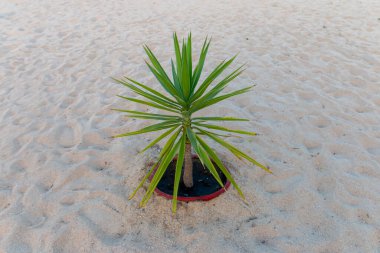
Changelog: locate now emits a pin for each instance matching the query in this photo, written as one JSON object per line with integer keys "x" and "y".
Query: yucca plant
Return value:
{"x": 186, "y": 96}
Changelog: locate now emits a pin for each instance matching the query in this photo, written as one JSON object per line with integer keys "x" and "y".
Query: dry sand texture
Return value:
{"x": 64, "y": 182}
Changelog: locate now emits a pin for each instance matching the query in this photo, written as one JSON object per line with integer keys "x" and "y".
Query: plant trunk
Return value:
{"x": 188, "y": 169}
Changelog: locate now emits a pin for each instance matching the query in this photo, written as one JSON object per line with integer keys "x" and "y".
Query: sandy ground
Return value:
{"x": 64, "y": 183}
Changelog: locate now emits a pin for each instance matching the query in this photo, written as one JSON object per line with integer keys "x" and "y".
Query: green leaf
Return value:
{"x": 189, "y": 58}
{"x": 178, "y": 170}
{"x": 218, "y": 162}
{"x": 146, "y": 114}
{"x": 159, "y": 173}
{"x": 222, "y": 84}
{"x": 224, "y": 129}
{"x": 152, "y": 91}
{"x": 149, "y": 96}
{"x": 149, "y": 117}
{"x": 157, "y": 64}
{"x": 158, "y": 139}
{"x": 220, "y": 135}
{"x": 177, "y": 83}
{"x": 167, "y": 85}
{"x": 169, "y": 144}
{"x": 162, "y": 154}
{"x": 148, "y": 103}
{"x": 162, "y": 77}
{"x": 192, "y": 138}
{"x": 200, "y": 105}
{"x": 203, "y": 156}
{"x": 151, "y": 128}
{"x": 198, "y": 69}
{"x": 234, "y": 150}
{"x": 218, "y": 119}
{"x": 214, "y": 74}
{"x": 177, "y": 54}
{"x": 144, "y": 180}
{"x": 185, "y": 79}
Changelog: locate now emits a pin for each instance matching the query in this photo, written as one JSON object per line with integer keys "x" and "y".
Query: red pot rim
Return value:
{"x": 193, "y": 198}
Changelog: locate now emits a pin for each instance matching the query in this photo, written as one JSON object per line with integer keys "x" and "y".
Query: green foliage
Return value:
{"x": 187, "y": 96}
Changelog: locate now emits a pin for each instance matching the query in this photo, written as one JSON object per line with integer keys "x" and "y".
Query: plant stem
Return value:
{"x": 188, "y": 169}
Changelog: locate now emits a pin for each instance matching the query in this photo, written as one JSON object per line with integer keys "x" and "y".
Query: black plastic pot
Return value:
{"x": 205, "y": 186}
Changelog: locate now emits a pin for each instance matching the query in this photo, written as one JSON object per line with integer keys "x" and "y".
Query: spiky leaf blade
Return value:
{"x": 159, "y": 138}
{"x": 178, "y": 170}
{"x": 224, "y": 129}
{"x": 139, "y": 101}
{"x": 218, "y": 119}
{"x": 200, "y": 105}
{"x": 214, "y": 74}
{"x": 151, "y": 128}
{"x": 152, "y": 91}
{"x": 189, "y": 59}
{"x": 203, "y": 156}
{"x": 162, "y": 154}
{"x": 221, "y": 166}
{"x": 235, "y": 151}
{"x": 159, "y": 173}
{"x": 148, "y": 95}
{"x": 185, "y": 78}
{"x": 160, "y": 116}
{"x": 177, "y": 54}
{"x": 199, "y": 67}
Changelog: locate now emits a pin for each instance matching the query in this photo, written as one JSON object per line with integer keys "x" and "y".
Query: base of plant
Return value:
{"x": 205, "y": 186}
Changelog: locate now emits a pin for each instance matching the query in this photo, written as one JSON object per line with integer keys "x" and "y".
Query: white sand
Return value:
{"x": 64, "y": 183}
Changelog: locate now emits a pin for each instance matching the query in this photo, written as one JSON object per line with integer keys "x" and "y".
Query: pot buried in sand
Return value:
{"x": 205, "y": 186}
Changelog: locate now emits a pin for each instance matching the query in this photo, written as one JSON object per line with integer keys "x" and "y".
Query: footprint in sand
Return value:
{"x": 68, "y": 200}
{"x": 14, "y": 244}
{"x": 95, "y": 140}
{"x": 312, "y": 145}
{"x": 374, "y": 151}
{"x": 67, "y": 135}
{"x": 370, "y": 144}
{"x": 5, "y": 196}
{"x": 66, "y": 103}
{"x": 320, "y": 121}
{"x": 31, "y": 220}
{"x": 364, "y": 216}
{"x": 326, "y": 186}
{"x": 18, "y": 166}
{"x": 104, "y": 221}
{"x": 367, "y": 171}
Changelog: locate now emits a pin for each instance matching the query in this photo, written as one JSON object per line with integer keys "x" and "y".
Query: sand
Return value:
{"x": 64, "y": 182}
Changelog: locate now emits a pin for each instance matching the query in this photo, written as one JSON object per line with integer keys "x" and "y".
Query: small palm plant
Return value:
{"x": 187, "y": 96}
